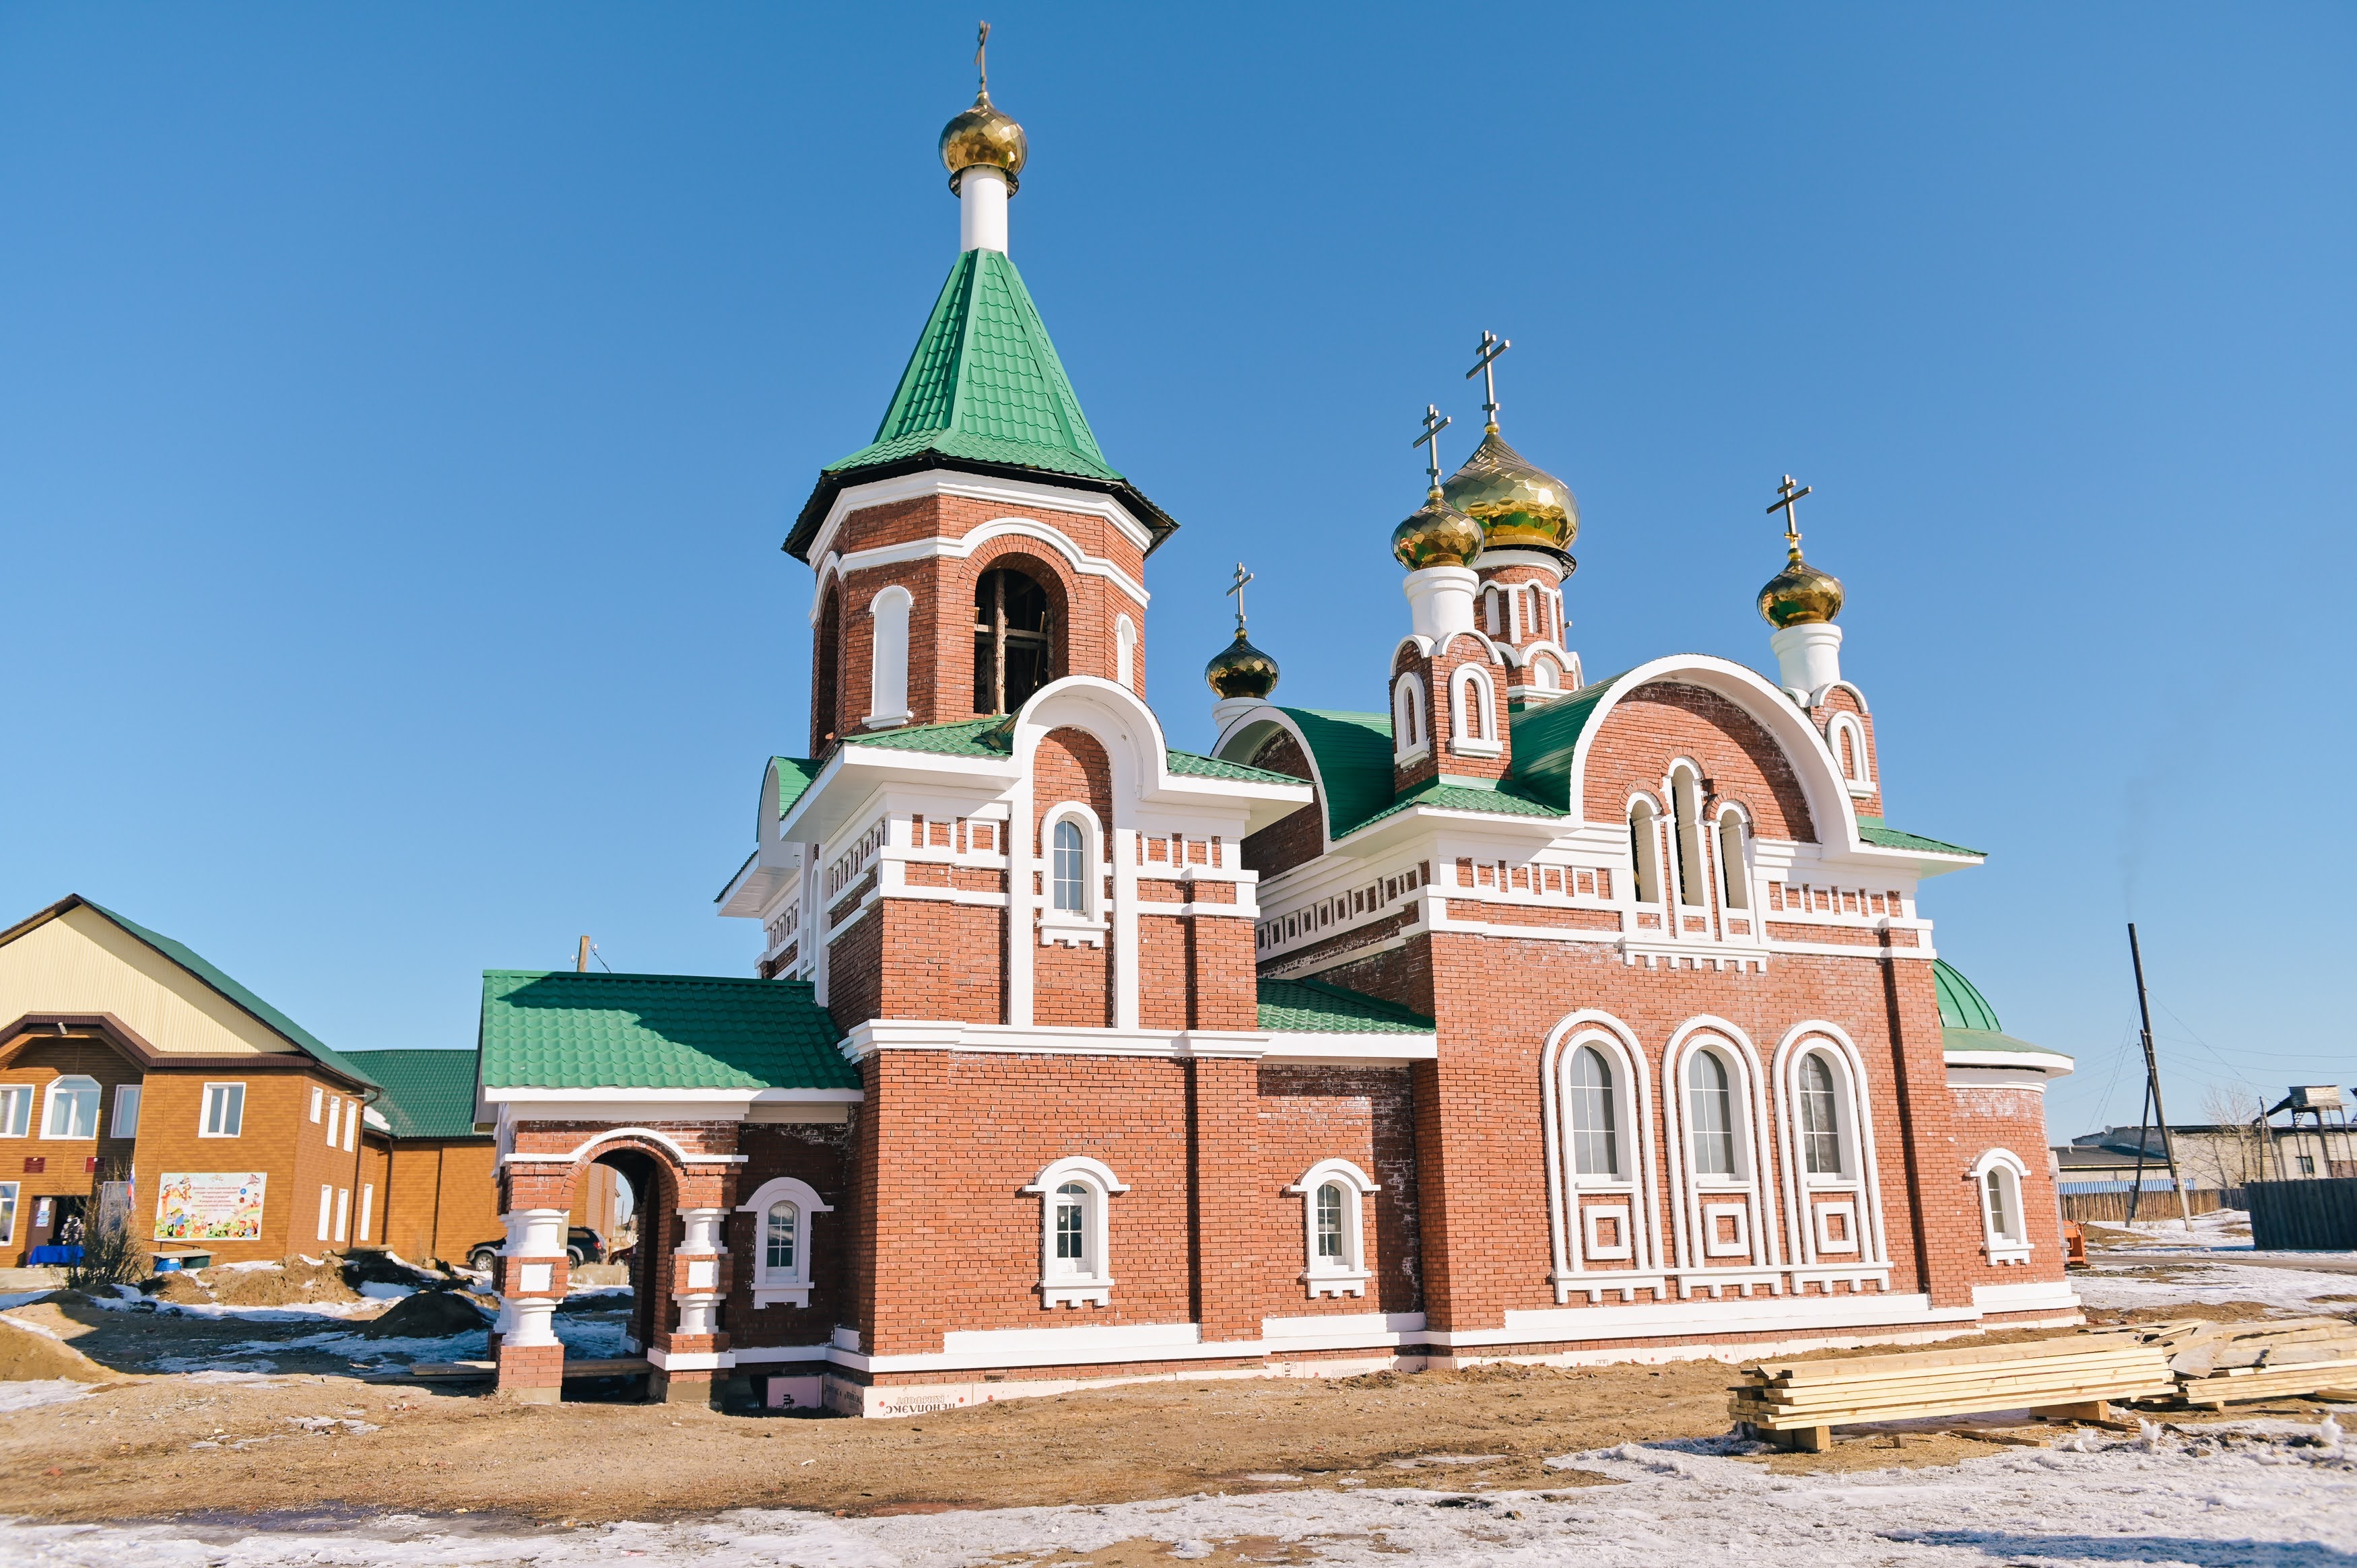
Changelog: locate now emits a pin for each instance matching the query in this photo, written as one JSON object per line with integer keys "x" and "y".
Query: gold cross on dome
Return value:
{"x": 1435, "y": 422}
{"x": 1243, "y": 577}
{"x": 1787, "y": 494}
{"x": 1485, "y": 360}
{"x": 982, "y": 42}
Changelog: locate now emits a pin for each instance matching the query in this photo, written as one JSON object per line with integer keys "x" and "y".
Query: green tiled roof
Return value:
{"x": 1543, "y": 738}
{"x": 1989, "y": 1040}
{"x": 1309, "y": 1006}
{"x": 984, "y": 387}
{"x": 1871, "y": 830}
{"x": 1353, "y": 754}
{"x": 1962, "y": 1005}
{"x": 559, "y": 1029}
{"x": 794, "y": 777}
{"x": 427, "y": 1094}
{"x": 195, "y": 963}
{"x": 1190, "y": 764}
{"x": 959, "y": 738}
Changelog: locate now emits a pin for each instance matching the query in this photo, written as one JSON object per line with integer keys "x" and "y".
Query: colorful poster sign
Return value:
{"x": 210, "y": 1206}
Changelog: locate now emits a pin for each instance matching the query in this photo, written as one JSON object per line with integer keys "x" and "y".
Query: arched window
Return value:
{"x": 1710, "y": 1116}
{"x": 783, "y": 1210}
{"x": 1821, "y": 1134}
{"x": 1847, "y": 735}
{"x": 1472, "y": 712}
{"x": 73, "y": 1108}
{"x": 1595, "y": 1137}
{"x": 1333, "y": 1220}
{"x": 1409, "y": 730}
{"x": 2005, "y": 1225}
{"x": 826, "y": 669}
{"x": 1014, "y": 640}
{"x": 1490, "y": 618}
{"x": 1685, "y": 810}
{"x": 1544, "y": 675}
{"x": 1734, "y": 863}
{"x": 1071, "y": 868}
{"x": 888, "y": 666}
{"x": 1075, "y": 1232}
{"x": 1645, "y": 851}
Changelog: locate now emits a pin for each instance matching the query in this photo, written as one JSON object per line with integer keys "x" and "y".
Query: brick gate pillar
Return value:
{"x": 690, "y": 1352}
{"x": 534, "y": 1276}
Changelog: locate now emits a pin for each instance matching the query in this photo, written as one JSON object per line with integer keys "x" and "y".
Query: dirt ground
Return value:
{"x": 315, "y": 1437}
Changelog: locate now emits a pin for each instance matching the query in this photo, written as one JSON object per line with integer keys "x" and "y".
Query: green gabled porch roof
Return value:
{"x": 988, "y": 737}
{"x": 1310, "y": 1006}
{"x": 427, "y": 1093}
{"x": 560, "y": 1029}
{"x": 1872, "y": 830}
{"x": 984, "y": 390}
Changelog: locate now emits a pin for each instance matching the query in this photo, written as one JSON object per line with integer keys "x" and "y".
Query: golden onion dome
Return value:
{"x": 1517, "y": 503}
{"x": 1435, "y": 535}
{"x": 1240, "y": 670}
{"x": 984, "y": 134}
{"x": 1800, "y": 594}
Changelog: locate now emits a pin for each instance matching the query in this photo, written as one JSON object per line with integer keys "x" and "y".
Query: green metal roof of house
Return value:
{"x": 559, "y": 1029}
{"x": 1871, "y": 830}
{"x": 427, "y": 1094}
{"x": 986, "y": 737}
{"x": 195, "y": 963}
{"x": 984, "y": 388}
{"x": 1967, "y": 1022}
{"x": 1309, "y": 1006}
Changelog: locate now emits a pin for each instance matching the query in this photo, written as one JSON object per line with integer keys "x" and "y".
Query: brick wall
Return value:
{"x": 1297, "y": 838}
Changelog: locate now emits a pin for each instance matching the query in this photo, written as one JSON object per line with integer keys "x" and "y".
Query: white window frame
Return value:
{"x": 2003, "y": 1249}
{"x": 351, "y": 1126}
{"x": 1737, "y": 891}
{"x": 82, "y": 1084}
{"x": 10, "y": 1192}
{"x": 318, "y": 1095}
{"x": 1626, "y": 1197}
{"x": 1681, "y": 788}
{"x": 888, "y": 658}
{"x": 1348, "y": 1274}
{"x": 335, "y": 1118}
{"x": 1701, "y": 1200}
{"x": 16, "y": 1110}
{"x": 1645, "y": 854}
{"x": 1411, "y": 720}
{"x": 1090, "y": 1284}
{"x": 1545, "y": 674}
{"x": 1125, "y": 652}
{"x": 1859, "y": 780}
{"x": 326, "y": 1207}
{"x": 1473, "y": 713}
{"x": 1090, "y": 925}
{"x": 125, "y": 1121}
{"x": 786, "y": 1287}
{"x": 343, "y": 1211}
{"x": 367, "y": 1209}
{"x": 205, "y": 1110}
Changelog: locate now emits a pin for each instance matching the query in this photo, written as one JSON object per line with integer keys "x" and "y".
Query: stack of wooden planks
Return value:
{"x": 1799, "y": 1402}
{"x": 2217, "y": 1364}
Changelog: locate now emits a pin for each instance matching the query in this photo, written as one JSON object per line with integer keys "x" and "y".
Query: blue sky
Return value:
{"x": 400, "y": 411}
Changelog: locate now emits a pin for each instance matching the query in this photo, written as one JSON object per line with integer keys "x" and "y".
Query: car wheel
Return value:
{"x": 485, "y": 1259}
{"x": 574, "y": 1256}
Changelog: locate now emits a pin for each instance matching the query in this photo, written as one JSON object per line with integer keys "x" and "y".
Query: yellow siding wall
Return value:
{"x": 83, "y": 962}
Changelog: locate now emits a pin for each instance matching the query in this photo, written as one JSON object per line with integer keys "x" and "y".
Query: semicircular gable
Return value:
{"x": 1664, "y": 720}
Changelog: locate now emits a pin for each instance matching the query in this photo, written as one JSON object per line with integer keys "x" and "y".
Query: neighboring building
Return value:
{"x": 441, "y": 1192}
{"x": 2212, "y": 1156}
{"x": 1525, "y": 1019}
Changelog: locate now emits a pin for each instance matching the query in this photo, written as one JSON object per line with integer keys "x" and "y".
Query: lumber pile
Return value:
{"x": 2217, "y": 1364}
{"x": 2077, "y": 1375}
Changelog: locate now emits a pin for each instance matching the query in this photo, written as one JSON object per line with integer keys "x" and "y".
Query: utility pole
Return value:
{"x": 581, "y": 960}
{"x": 2152, "y": 1096}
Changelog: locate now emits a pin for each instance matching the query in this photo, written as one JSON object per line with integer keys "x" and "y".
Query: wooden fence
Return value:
{"x": 2304, "y": 1216}
{"x": 2112, "y": 1207}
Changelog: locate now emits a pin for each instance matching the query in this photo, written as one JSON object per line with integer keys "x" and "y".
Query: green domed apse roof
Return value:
{"x": 984, "y": 392}
{"x": 1962, "y": 1005}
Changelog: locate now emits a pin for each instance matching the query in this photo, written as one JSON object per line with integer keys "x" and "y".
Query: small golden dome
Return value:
{"x": 1517, "y": 503}
{"x": 1800, "y": 594}
{"x": 1435, "y": 535}
{"x": 984, "y": 134}
{"x": 1240, "y": 670}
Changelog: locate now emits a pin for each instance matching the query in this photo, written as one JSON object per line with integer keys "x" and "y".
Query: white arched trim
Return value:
{"x": 789, "y": 1282}
{"x": 1738, "y": 894}
{"x": 1855, "y": 695}
{"x": 582, "y": 1151}
{"x": 1997, "y": 1177}
{"x": 888, "y": 658}
{"x": 1571, "y": 1228}
{"x": 1472, "y": 712}
{"x": 1410, "y": 718}
{"x": 1814, "y": 1206}
{"x": 1125, "y": 652}
{"x": 962, "y": 548}
{"x": 1343, "y": 1270}
{"x": 1086, "y": 1279}
{"x": 1706, "y": 1206}
{"x": 1858, "y": 770}
{"x": 1087, "y": 923}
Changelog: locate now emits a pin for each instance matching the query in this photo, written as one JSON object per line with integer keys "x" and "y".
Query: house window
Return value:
{"x": 1686, "y": 810}
{"x": 343, "y": 1208}
{"x": 317, "y": 1094}
{"x": 1711, "y": 1114}
{"x": 1645, "y": 851}
{"x": 16, "y": 1109}
{"x": 1014, "y": 640}
{"x": 1473, "y": 713}
{"x": 1070, "y": 854}
{"x": 224, "y": 1113}
{"x": 782, "y": 1211}
{"x": 1734, "y": 864}
{"x": 73, "y": 1108}
{"x": 1595, "y": 1140}
{"x": 326, "y": 1209}
{"x": 351, "y": 1125}
{"x": 126, "y": 1111}
{"x": 2005, "y": 1228}
{"x": 8, "y": 1212}
{"x": 1333, "y": 1213}
{"x": 335, "y": 1119}
{"x": 2304, "y": 1164}
{"x": 368, "y": 1207}
{"x": 1075, "y": 1195}
{"x": 1821, "y": 1141}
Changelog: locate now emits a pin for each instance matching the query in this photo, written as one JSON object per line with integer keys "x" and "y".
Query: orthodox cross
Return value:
{"x": 1243, "y": 577}
{"x": 1786, "y": 494}
{"x": 1435, "y": 422}
{"x": 1485, "y": 360}
{"x": 982, "y": 43}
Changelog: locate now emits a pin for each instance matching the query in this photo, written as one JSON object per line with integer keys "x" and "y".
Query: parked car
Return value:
{"x": 582, "y": 1245}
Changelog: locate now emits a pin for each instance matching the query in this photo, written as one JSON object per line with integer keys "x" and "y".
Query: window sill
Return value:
{"x": 2004, "y": 1252}
{"x": 781, "y": 1296}
{"x": 1411, "y": 757}
{"x": 1071, "y": 931}
{"x": 1464, "y": 747}
{"x": 1075, "y": 1292}
{"x": 1859, "y": 789}
{"x": 884, "y": 721}
{"x": 1337, "y": 1282}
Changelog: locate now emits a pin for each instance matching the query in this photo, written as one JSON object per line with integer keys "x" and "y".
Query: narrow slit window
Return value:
{"x": 1819, "y": 1117}
{"x": 1733, "y": 867}
{"x": 1644, "y": 853}
{"x": 1685, "y": 806}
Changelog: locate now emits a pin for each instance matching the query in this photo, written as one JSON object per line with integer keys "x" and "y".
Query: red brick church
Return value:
{"x": 1527, "y": 1017}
